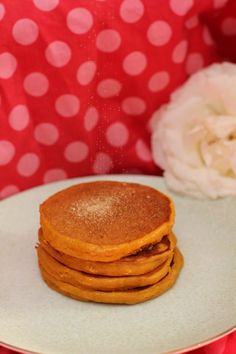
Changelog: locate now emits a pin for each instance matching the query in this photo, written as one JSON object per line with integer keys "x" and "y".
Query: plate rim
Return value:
{"x": 105, "y": 177}
{"x": 175, "y": 351}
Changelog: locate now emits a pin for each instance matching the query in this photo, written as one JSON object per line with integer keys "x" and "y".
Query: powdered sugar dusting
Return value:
{"x": 96, "y": 207}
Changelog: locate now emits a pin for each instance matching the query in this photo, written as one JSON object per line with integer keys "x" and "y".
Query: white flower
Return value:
{"x": 194, "y": 136}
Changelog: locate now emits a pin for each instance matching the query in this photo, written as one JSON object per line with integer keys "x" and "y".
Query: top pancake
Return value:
{"x": 107, "y": 213}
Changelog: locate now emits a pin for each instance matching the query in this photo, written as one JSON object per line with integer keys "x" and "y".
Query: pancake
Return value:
{"x": 97, "y": 282}
{"x": 142, "y": 262}
{"x": 133, "y": 296}
{"x": 105, "y": 221}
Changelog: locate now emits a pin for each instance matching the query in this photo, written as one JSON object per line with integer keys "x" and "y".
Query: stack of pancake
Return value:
{"x": 108, "y": 242}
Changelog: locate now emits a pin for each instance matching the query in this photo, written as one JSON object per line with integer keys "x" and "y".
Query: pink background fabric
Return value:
{"x": 79, "y": 82}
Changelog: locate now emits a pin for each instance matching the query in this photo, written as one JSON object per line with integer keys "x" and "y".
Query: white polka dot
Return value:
{"x": 91, "y": 118}
{"x": 25, "y": 31}
{"x": 159, "y": 33}
{"x": 108, "y": 88}
{"x": 67, "y": 105}
{"x": 58, "y": 53}
{"x": 181, "y": 7}
{"x": 19, "y": 117}
{"x": 79, "y": 20}
{"x": 108, "y": 40}
{"x": 135, "y": 63}
{"x": 46, "y": 133}
{"x": 28, "y": 164}
{"x": 76, "y": 151}
{"x": 220, "y": 3}
{"x": 36, "y": 84}
{"x": 133, "y": 106}
{"x": 117, "y": 134}
{"x": 228, "y": 26}
{"x": 102, "y": 164}
{"x": 194, "y": 63}
{"x": 8, "y": 190}
{"x": 46, "y": 5}
{"x": 207, "y": 36}
{"x": 8, "y": 65}
{"x": 55, "y": 174}
{"x": 142, "y": 151}
{"x": 192, "y": 22}
{"x": 7, "y": 152}
{"x": 2, "y": 11}
{"x": 159, "y": 81}
{"x": 131, "y": 10}
{"x": 179, "y": 52}
{"x": 86, "y": 72}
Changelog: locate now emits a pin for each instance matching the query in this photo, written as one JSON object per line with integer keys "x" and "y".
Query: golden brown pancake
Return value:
{"x": 98, "y": 282}
{"x": 133, "y": 296}
{"x": 142, "y": 262}
{"x": 105, "y": 221}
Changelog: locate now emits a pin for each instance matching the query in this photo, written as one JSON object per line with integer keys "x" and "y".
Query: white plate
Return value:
{"x": 200, "y": 307}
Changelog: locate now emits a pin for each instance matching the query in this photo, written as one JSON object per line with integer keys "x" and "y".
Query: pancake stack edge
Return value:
{"x": 109, "y": 242}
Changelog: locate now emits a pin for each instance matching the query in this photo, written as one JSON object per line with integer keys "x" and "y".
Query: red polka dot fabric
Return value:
{"x": 79, "y": 81}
